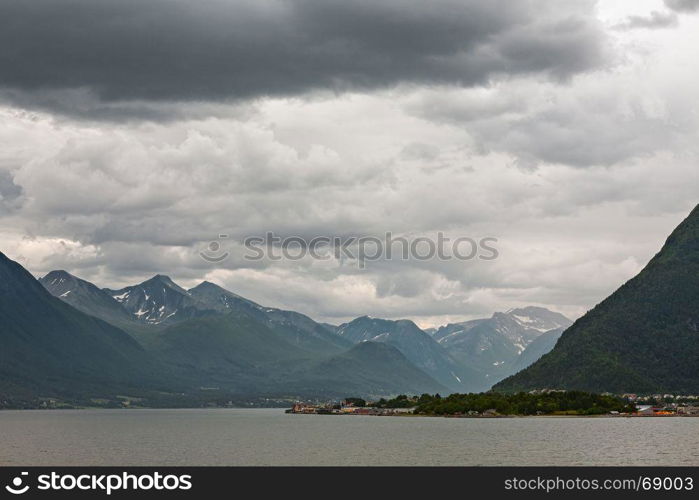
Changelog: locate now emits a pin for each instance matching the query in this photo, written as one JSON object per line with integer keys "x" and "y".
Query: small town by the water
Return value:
{"x": 656, "y": 405}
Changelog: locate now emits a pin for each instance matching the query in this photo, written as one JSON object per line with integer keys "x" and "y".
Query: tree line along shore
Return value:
{"x": 493, "y": 404}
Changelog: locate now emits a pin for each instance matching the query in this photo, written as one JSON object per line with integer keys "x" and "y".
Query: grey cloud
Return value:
{"x": 656, "y": 20}
{"x": 10, "y": 193}
{"x": 683, "y": 5}
{"x": 581, "y": 126}
{"x": 86, "y": 103}
{"x": 157, "y": 50}
{"x": 118, "y": 202}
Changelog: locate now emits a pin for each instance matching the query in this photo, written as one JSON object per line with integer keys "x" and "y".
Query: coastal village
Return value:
{"x": 660, "y": 405}
{"x": 656, "y": 405}
{"x": 346, "y": 408}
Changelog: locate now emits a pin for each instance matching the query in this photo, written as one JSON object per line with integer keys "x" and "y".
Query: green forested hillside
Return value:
{"x": 642, "y": 338}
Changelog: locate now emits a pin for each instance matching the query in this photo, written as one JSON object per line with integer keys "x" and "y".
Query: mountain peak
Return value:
{"x": 57, "y": 275}
{"x": 162, "y": 278}
{"x": 207, "y": 285}
{"x": 538, "y": 318}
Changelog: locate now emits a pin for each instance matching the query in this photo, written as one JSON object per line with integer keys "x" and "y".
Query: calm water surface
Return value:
{"x": 270, "y": 437}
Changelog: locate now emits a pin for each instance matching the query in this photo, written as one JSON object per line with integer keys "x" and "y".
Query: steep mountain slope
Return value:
{"x": 453, "y": 329}
{"x": 240, "y": 354}
{"x": 296, "y": 328}
{"x": 642, "y": 338}
{"x": 232, "y": 350}
{"x": 50, "y": 348}
{"x": 369, "y": 369}
{"x": 493, "y": 346}
{"x": 84, "y": 296}
{"x": 417, "y": 346}
{"x": 538, "y": 347}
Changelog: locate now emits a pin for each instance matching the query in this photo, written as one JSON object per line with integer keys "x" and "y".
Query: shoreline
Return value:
{"x": 411, "y": 415}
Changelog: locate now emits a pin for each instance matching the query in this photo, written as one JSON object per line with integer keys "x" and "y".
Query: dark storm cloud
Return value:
{"x": 682, "y": 5}
{"x": 159, "y": 50}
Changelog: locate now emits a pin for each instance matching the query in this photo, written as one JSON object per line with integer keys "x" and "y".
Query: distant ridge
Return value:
{"x": 416, "y": 345}
{"x": 503, "y": 344}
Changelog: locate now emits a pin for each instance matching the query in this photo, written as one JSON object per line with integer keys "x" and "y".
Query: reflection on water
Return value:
{"x": 270, "y": 437}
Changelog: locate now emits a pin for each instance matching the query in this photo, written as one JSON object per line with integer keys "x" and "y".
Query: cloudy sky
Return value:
{"x": 134, "y": 132}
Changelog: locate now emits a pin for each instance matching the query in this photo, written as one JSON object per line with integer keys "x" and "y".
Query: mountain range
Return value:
{"x": 64, "y": 337}
{"x": 160, "y": 342}
{"x": 178, "y": 341}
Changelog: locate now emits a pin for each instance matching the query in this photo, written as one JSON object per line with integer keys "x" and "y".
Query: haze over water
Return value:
{"x": 270, "y": 437}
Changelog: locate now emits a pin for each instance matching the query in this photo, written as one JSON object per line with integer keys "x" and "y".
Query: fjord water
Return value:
{"x": 270, "y": 437}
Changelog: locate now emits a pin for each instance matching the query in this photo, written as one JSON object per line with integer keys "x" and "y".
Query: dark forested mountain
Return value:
{"x": 417, "y": 346}
{"x": 642, "y": 338}
{"x": 49, "y": 346}
{"x": 495, "y": 347}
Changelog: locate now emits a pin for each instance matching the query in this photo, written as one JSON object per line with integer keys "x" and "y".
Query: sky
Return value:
{"x": 134, "y": 133}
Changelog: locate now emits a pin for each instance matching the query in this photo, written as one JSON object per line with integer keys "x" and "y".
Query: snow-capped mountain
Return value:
{"x": 158, "y": 301}
{"x": 494, "y": 345}
{"x": 519, "y": 326}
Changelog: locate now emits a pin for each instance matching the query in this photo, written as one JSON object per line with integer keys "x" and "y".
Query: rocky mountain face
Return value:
{"x": 416, "y": 345}
{"x": 496, "y": 347}
{"x": 158, "y": 301}
{"x": 84, "y": 296}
